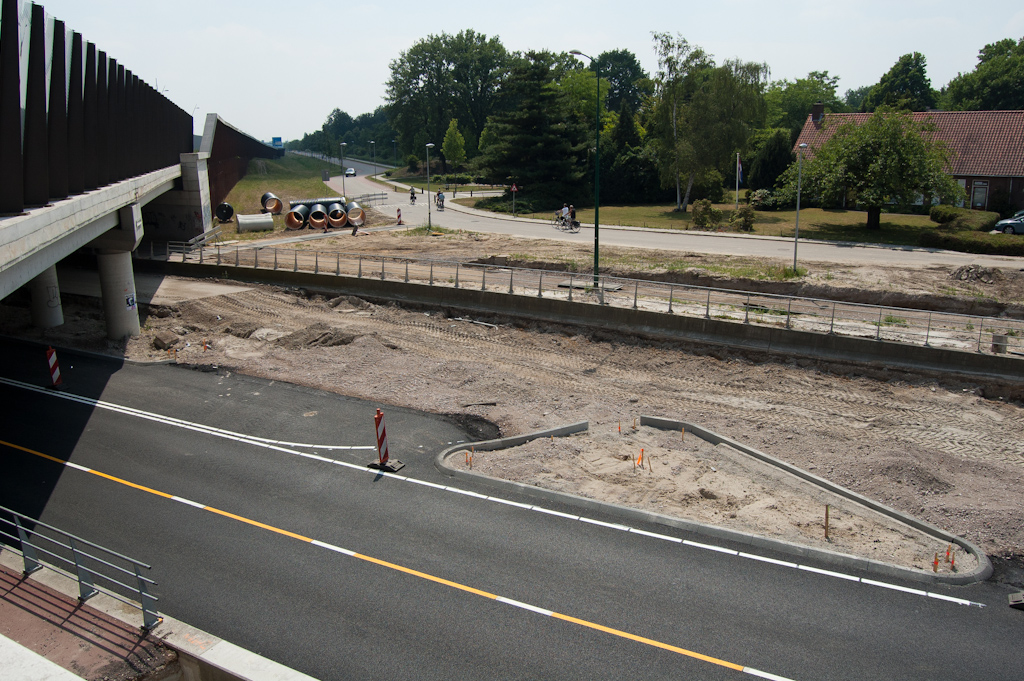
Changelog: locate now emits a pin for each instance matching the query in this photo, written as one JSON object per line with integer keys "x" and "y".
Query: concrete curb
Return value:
{"x": 834, "y": 558}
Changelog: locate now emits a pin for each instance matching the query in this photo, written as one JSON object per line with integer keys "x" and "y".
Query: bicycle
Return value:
{"x": 565, "y": 224}
{"x": 412, "y": 199}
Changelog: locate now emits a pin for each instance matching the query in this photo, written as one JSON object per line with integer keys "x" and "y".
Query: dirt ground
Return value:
{"x": 938, "y": 450}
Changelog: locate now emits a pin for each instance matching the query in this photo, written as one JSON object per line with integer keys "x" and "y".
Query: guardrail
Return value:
{"x": 95, "y": 568}
{"x": 970, "y": 333}
{"x": 374, "y": 199}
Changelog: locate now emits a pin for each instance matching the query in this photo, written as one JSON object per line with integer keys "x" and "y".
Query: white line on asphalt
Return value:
{"x": 764, "y": 675}
{"x": 188, "y": 501}
{"x": 525, "y": 606}
{"x": 268, "y": 444}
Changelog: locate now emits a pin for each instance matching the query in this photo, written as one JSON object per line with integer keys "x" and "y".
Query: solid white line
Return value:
{"x": 77, "y": 467}
{"x": 548, "y": 511}
{"x": 655, "y": 535}
{"x": 954, "y": 600}
{"x": 709, "y": 547}
{"x": 895, "y": 587}
{"x": 428, "y": 484}
{"x": 524, "y": 606}
{"x": 765, "y": 675}
{"x": 332, "y": 547}
{"x": 189, "y": 502}
{"x": 466, "y": 492}
{"x": 828, "y": 573}
{"x": 613, "y": 526}
{"x": 764, "y": 559}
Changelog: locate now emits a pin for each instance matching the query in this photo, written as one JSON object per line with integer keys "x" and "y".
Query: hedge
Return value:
{"x": 961, "y": 218}
{"x": 973, "y": 242}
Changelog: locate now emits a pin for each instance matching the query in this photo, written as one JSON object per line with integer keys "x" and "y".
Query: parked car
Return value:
{"x": 1014, "y": 225}
{"x": 350, "y": 172}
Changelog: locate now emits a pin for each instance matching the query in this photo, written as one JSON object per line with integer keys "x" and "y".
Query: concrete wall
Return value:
{"x": 771, "y": 341}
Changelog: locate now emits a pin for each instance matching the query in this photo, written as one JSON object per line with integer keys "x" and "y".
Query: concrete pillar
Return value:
{"x": 117, "y": 283}
{"x": 46, "y": 308}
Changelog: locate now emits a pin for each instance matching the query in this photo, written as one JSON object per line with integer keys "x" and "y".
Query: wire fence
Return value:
{"x": 972, "y": 333}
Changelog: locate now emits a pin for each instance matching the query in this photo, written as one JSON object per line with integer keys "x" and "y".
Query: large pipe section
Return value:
{"x": 318, "y": 216}
{"x": 336, "y": 215}
{"x": 271, "y": 204}
{"x": 356, "y": 216}
{"x": 255, "y": 223}
{"x": 297, "y": 216}
{"x": 309, "y": 203}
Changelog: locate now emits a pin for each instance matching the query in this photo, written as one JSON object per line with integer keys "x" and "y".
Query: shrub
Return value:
{"x": 413, "y": 163}
{"x": 762, "y": 199}
{"x": 958, "y": 219}
{"x": 944, "y": 213}
{"x": 706, "y": 215}
{"x": 743, "y": 218}
{"x": 503, "y": 204}
{"x": 973, "y": 242}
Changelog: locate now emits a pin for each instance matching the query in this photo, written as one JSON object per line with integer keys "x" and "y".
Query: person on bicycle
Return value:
{"x": 440, "y": 200}
{"x": 412, "y": 195}
{"x": 565, "y": 211}
{"x": 572, "y": 214}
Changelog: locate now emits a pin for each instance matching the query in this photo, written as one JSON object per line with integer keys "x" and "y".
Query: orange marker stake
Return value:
{"x": 948, "y": 547}
{"x": 640, "y": 461}
{"x": 935, "y": 565}
{"x": 620, "y": 427}
{"x": 682, "y": 436}
{"x": 952, "y": 562}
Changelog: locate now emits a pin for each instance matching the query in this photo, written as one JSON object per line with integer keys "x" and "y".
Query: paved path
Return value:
{"x": 461, "y": 217}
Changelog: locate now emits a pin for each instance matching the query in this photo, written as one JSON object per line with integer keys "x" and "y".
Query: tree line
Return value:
{"x": 534, "y": 118}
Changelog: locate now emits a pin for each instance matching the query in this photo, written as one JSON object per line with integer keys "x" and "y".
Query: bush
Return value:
{"x": 958, "y": 219}
{"x": 503, "y": 204}
{"x": 706, "y": 215}
{"x": 413, "y": 163}
{"x": 762, "y": 199}
{"x": 743, "y": 219}
{"x": 973, "y": 242}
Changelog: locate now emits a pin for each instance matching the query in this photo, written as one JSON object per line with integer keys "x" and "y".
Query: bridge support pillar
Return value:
{"x": 46, "y": 308}
{"x": 117, "y": 284}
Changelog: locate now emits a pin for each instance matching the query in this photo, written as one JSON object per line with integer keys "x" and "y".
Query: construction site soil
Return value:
{"x": 950, "y": 453}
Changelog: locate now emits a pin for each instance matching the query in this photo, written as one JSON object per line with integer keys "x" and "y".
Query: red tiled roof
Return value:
{"x": 984, "y": 143}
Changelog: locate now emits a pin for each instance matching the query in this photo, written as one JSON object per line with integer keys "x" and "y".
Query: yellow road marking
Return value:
{"x": 399, "y": 568}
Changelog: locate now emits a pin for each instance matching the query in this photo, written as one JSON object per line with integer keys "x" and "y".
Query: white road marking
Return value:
{"x": 189, "y": 502}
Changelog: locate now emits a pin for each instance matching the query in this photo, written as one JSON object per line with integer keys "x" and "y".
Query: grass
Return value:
{"x": 290, "y": 178}
{"x": 420, "y": 182}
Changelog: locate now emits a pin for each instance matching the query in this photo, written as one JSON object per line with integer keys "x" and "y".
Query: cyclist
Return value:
{"x": 412, "y": 196}
{"x": 440, "y": 200}
{"x": 572, "y": 214}
{"x": 565, "y": 212}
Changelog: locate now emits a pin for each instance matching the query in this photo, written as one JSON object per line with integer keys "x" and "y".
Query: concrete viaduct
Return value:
{"x": 92, "y": 157}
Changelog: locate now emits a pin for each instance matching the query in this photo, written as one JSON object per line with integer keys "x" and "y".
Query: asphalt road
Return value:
{"x": 401, "y": 577}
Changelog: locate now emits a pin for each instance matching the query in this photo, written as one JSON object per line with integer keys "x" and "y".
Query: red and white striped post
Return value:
{"x": 382, "y": 438}
{"x": 51, "y": 358}
{"x": 399, "y": 216}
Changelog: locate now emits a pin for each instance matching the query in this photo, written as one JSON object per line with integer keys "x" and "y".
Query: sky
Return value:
{"x": 277, "y": 69}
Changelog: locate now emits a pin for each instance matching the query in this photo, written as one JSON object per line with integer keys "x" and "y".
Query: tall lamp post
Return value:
{"x": 799, "y": 181}
{"x": 373, "y": 145}
{"x": 597, "y": 166}
{"x": 430, "y": 145}
{"x": 343, "y": 169}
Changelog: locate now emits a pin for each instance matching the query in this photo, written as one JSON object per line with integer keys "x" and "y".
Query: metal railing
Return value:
{"x": 95, "y": 568}
{"x": 973, "y": 333}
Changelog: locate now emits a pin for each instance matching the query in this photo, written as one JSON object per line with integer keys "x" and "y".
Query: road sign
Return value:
{"x": 515, "y": 188}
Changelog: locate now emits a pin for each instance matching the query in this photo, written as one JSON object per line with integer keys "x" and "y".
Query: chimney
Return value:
{"x": 817, "y": 111}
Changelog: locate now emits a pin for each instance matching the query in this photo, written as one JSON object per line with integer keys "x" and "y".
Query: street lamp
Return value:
{"x": 799, "y": 181}
{"x": 343, "y": 169}
{"x": 373, "y": 146}
{"x": 597, "y": 165}
{"x": 430, "y": 145}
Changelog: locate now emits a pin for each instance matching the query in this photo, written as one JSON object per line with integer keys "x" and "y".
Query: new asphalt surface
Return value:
{"x": 339, "y": 572}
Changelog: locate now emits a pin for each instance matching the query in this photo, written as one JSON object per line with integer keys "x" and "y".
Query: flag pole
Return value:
{"x": 737, "y": 180}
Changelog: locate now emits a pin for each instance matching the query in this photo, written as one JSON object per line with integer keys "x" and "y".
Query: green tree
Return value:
{"x": 454, "y": 147}
{"x": 906, "y": 86}
{"x": 996, "y": 83}
{"x": 889, "y": 159}
{"x": 625, "y": 78}
{"x": 855, "y": 97}
{"x": 789, "y": 103}
{"x": 538, "y": 144}
{"x": 771, "y": 159}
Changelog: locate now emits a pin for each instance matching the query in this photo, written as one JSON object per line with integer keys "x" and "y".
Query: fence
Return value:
{"x": 95, "y": 568}
{"x": 894, "y": 324}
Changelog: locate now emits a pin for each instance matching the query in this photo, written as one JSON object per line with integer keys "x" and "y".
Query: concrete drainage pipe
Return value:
{"x": 318, "y": 216}
{"x": 355, "y": 214}
{"x": 296, "y": 218}
{"x": 271, "y": 204}
{"x": 312, "y": 202}
{"x": 255, "y": 223}
{"x": 336, "y": 216}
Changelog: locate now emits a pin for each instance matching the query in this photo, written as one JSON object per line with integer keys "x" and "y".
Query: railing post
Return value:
{"x": 86, "y": 589}
{"x": 981, "y": 327}
{"x": 456, "y": 275}
{"x": 275, "y": 257}
{"x": 878, "y": 333}
{"x": 832, "y": 324}
{"x": 636, "y": 289}
{"x": 670, "y": 291}
{"x": 316, "y": 262}
{"x": 151, "y": 247}
{"x": 483, "y": 281}
{"x": 746, "y": 309}
{"x": 707, "y": 306}
{"x": 570, "y": 288}
{"x": 600, "y": 290}
{"x": 431, "y": 273}
{"x": 359, "y": 275}
{"x": 295, "y": 263}
{"x": 406, "y": 271}
{"x": 256, "y": 258}
{"x": 236, "y": 256}
{"x": 511, "y": 276}
{"x": 149, "y": 617}
{"x": 218, "y": 254}
{"x": 382, "y": 269}
{"x": 540, "y": 286}
{"x": 337, "y": 265}
{"x": 28, "y": 552}
{"x": 789, "y": 312}
{"x": 200, "y": 255}
{"x": 928, "y": 332}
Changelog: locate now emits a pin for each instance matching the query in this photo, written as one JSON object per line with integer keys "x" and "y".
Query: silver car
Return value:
{"x": 1014, "y": 225}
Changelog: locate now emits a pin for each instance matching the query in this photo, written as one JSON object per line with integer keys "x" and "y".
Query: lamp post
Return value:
{"x": 396, "y": 152}
{"x": 430, "y": 145}
{"x": 799, "y": 181}
{"x": 597, "y": 166}
{"x": 373, "y": 145}
{"x": 344, "y": 170}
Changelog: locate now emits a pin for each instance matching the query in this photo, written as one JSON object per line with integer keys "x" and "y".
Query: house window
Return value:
{"x": 979, "y": 195}
{"x": 963, "y": 185}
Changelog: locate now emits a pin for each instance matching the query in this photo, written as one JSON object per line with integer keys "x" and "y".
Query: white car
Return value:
{"x": 350, "y": 172}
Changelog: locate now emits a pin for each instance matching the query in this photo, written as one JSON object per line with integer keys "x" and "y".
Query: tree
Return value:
{"x": 789, "y": 103}
{"x": 454, "y": 147}
{"x": 906, "y": 86}
{"x": 996, "y": 83}
{"x": 624, "y": 75}
{"x": 855, "y": 97}
{"x": 771, "y": 159}
{"x": 538, "y": 143}
{"x": 889, "y": 159}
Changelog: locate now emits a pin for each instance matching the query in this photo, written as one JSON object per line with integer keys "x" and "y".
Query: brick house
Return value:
{"x": 987, "y": 146}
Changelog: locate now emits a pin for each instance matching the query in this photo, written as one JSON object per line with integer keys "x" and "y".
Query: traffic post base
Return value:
{"x": 384, "y": 461}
